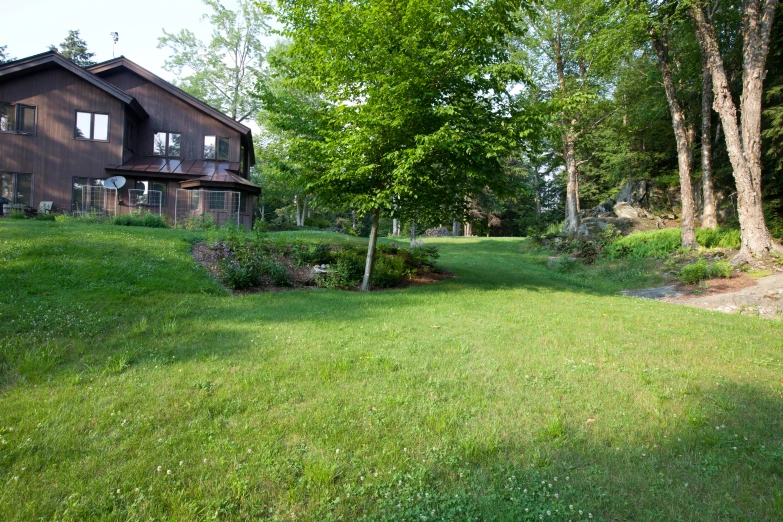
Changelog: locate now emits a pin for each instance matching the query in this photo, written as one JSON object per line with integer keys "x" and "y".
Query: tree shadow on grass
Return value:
{"x": 720, "y": 462}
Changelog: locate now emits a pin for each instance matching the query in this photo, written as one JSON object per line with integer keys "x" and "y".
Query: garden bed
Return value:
{"x": 260, "y": 265}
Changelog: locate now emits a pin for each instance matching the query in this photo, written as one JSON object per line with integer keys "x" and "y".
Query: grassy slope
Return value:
{"x": 121, "y": 356}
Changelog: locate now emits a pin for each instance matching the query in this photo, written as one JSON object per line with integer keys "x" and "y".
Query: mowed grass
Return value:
{"x": 134, "y": 387}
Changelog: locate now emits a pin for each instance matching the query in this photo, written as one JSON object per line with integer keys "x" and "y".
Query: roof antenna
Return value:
{"x": 114, "y": 36}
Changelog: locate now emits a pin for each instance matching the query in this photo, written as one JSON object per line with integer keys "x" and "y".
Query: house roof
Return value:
{"x": 190, "y": 173}
{"x": 51, "y": 59}
{"x": 122, "y": 62}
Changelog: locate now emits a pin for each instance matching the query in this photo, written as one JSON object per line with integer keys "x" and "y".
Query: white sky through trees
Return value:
{"x": 39, "y": 23}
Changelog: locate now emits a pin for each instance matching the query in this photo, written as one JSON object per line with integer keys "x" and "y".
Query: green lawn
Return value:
{"x": 133, "y": 387}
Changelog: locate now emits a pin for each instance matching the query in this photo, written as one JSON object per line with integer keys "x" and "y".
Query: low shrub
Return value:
{"x": 201, "y": 222}
{"x": 17, "y": 214}
{"x": 317, "y": 222}
{"x": 138, "y": 219}
{"x": 85, "y": 217}
{"x": 694, "y": 272}
{"x": 701, "y": 270}
{"x": 45, "y": 217}
{"x": 722, "y": 269}
{"x": 389, "y": 271}
{"x": 587, "y": 251}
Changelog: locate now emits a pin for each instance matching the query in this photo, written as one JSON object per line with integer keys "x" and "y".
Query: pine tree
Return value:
{"x": 4, "y": 55}
{"x": 75, "y": 49}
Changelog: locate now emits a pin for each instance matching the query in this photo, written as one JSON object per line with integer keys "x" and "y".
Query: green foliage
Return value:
{"x": 663, "y": 243}
{"x": 702, "y": 269}
{"x": 318, "y": 222}
{"x": 131, "y": 346}
{"x": 45, "y": 217}
{"x": 139, "y": 219}
{"x": 17, "y": 214}
{"x": 74, "y": 49}
{"x": 694, "y": 272}
{"x": 203, "y": 221}
{"x": 721, "y": 237}
{"x": 223, "y": 72}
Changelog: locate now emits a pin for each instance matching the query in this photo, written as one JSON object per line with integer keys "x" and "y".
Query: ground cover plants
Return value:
{"x": 264, "y": 261}
{"x": 133, "y": 386}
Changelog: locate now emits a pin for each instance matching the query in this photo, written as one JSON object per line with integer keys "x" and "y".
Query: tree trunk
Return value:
{"x": 296, "y": 210}
{"x": 413, "y": 233}
{"x": 571, "y": 225}
{"x": 353, "y": 220}
{"x": 743, "y": 148}
{"x": 455, "y": 228}
{"x": 262, "y": 211}
{"x": 661, "y": 47}
{"x": 368, "y": 267}
{"x": 395, "y": 227}
{"x": 709, "y": 215}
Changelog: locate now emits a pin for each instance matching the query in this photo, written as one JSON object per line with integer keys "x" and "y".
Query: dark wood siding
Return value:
{"x": 170, "y": 114}
{"x": 52, "y": 155}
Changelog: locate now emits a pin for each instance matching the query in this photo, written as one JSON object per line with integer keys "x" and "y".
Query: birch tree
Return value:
{"x": 222, "y": 72}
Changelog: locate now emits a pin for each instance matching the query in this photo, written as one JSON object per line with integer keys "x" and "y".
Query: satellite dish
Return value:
{"x": 117, "y": 182}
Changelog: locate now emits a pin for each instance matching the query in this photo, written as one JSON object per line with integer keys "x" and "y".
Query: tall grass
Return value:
{"x": 662, "y": 243}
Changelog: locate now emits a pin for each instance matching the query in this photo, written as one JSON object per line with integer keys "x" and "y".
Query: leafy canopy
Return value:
{"x": 412, "y": 109}
{"x": 223, "y": 72}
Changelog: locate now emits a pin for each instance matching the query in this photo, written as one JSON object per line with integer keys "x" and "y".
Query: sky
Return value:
{"x": 139, "y": 23}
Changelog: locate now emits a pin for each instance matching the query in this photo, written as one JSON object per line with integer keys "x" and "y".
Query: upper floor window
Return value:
{"x": 216, "y": 147}
{"x": 17, "y": 118}
{"x": 167, "y": 144}
{"x": 91, "y": 126}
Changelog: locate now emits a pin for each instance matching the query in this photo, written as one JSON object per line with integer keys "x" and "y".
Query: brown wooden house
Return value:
{"x": 64, "y": 129}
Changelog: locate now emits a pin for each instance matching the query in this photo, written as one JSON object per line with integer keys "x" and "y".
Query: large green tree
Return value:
{"x": 75, "y": 49}
{"x": 416, "y": 96}
{"x": 222, "y": 72}
{"x": 573, "y": 49}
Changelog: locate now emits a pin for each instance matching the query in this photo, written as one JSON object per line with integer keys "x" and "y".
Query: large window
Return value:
{"x": 17, "y": 188}
{"x": 17, "y": 118}
{"x": 167, "y": 144}
{"x": 78, "y": 192}
{"x": 216, "y": 147}
{"x": 91, "y": 126}
{"x": 148, "y": 198}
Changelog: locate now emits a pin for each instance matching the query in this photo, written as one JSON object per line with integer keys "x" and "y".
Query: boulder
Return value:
{"x": 592, "y": 227}
{"x": 437, "y": 232}
{"x": 625, "y": 210}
